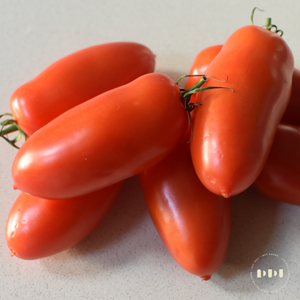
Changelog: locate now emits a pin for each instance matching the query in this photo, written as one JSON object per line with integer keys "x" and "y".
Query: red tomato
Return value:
{"x": 37, "y": 227}
{"x": 77, "y": 78}
{"x": 201, "y": 62}
{"x": 280, "y": 177}
{"x": 234, "y": 131}
{"x": 109, "y": 138}
{"x": 193, "y": 223}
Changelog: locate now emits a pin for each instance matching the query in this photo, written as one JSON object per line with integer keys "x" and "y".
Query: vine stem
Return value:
{"x": 196, "y": 88}
{"x": 252, "y": 14}
{"x": 9, "y": 126}
{"x": 268, "y": 25}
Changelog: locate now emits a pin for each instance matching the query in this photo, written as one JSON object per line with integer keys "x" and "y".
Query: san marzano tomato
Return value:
{"x": 234, "y": 131}
{"x": 279, "y": 179}
{"x": 102, "y": 141}
{"x": 37, "y": 227}
{"x": 193, "y": 223}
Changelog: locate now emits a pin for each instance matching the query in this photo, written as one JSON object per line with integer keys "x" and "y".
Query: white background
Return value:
{"x": 124, "y": 257}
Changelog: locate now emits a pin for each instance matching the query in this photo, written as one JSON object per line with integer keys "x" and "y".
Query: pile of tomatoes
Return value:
{"x": 89, "y": 127}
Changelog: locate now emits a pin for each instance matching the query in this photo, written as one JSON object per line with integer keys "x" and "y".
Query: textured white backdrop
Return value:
{"x": 124, "y": 257}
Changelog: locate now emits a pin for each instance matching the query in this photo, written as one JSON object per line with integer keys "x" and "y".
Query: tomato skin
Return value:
{"x": 193, "y": 223}
{"x": 233, "y": 131}
{"x": 77, "y": 78}
{"x": 280, "y": 177}
{"x": 107, "y": 139}
{"x": 201, "y": 62}
{"x": 38, "y": 228}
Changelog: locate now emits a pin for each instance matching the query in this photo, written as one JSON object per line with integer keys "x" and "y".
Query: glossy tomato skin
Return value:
{"x": 76, "y": 78}
{"x": 193, "y": 223}
{"x": 280, "y": 177}
{"x": 38, "y": 228}
{"x": 109, "y": 138}
{"x": 201, "y": 62}
{"x": 234, "y": 131}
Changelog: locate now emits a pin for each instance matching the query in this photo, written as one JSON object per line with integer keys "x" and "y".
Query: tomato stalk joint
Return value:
{"x": 186, "y": 94}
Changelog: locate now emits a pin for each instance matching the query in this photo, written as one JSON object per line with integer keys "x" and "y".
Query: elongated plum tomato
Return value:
{"x": 38, "y": 228}
{"x": 193, "y": 223}
{"x": 234, "y": 131}
{"x": 76, "y": 78}
{"x": 102, "y": 141}
{"x": 280, "y": 177}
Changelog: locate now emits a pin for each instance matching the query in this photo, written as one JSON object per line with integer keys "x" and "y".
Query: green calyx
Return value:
{"x": 269, "y": 26}
{"x": 9, "y": 126}
{"x": 196, "y": 88}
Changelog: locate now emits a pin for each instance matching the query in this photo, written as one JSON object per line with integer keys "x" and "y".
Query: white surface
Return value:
{"x": 124, "y": 257}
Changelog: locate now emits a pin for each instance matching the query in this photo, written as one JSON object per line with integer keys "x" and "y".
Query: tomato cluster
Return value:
{"x": 90, "y": 128}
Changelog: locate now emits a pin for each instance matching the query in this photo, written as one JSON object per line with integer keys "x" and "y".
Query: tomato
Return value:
{"x": 201, "y": 62}
{"x": 109, "y": 138}
{"x": 193, "y": 223}
{"x": 77, "y": 78}
{"x": 37, "y": 227}
{"x": 234, "y": 131}
{"x": 280, "y": 177}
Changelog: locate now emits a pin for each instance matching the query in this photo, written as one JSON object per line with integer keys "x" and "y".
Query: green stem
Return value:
{"x": 9, "y": 126}
{"x": 192, "y": 89}
{"x": 9, "y": 129}
{"x": 268, "y": 22}
{"x": 196, "y": 88}
{"x": 269, "y": 26}
{"x": 252, "y": 14}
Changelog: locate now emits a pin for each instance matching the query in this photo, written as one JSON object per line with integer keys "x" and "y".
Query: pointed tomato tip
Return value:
{"x": 205, "y": 277}
{"x": 15, "y": 187}
{"x": 12, "y": 253}
{"x": 225, "y": 195}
